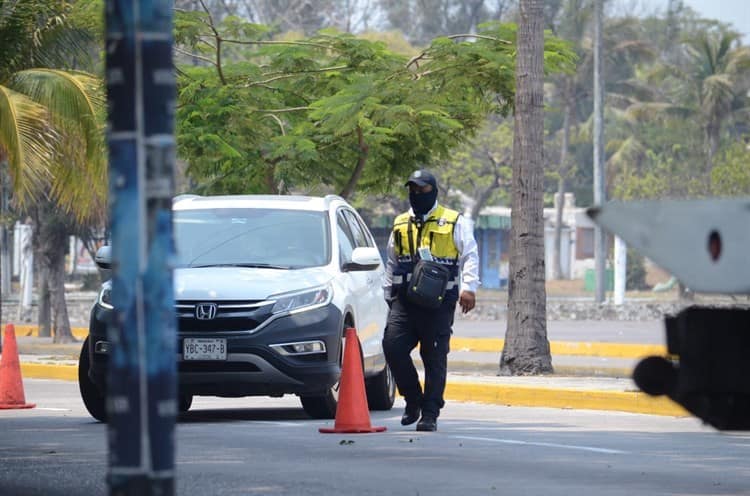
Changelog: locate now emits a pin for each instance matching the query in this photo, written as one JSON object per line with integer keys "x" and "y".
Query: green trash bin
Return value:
{"x": 589, "y": 281}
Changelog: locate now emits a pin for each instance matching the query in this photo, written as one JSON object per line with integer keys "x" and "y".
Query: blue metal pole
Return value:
{"x": 141, "y": 402}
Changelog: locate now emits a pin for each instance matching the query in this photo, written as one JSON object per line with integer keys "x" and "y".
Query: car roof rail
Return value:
{"x": 185, "y": 196}
{"x": 331, "y": 198}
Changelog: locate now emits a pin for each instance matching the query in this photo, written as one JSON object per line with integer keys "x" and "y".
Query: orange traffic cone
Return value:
{"x": 352, "y": 413}
{"x": 11, "y": 385}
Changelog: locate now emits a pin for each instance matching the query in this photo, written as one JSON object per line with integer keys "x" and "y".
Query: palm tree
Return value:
{"x": 624, "y": 50}
{"x": 51, "y": 140}
{"x": 707, "y": 84}
{"x": 715, "y": 78}
{"x": 526, "y": 349}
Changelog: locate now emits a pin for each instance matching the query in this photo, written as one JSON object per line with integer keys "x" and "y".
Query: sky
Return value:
{"x": 735, "y": 12}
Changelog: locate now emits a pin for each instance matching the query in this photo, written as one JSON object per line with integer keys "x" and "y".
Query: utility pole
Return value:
{"x": 142, "y": 377}
{"x": 600, "y": 237}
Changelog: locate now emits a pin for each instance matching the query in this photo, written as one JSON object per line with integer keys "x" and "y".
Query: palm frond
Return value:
{"x": 718, "y": 93}
{"x": 75, "y": 102}
{"x": 74, "y": 99}
{"x": 739, "y": 61}
{"x": 27, "y": 140}
{"x": 643, "y": 111}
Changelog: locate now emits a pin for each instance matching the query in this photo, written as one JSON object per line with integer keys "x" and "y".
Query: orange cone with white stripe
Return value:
{"x": 11, "y": 384}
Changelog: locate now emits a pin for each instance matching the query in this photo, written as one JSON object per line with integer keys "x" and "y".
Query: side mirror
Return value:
{"x": 103, "y": 257}
{"x": 364, "y": 258}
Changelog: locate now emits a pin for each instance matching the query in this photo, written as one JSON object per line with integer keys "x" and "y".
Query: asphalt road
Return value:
{"x": 260, "y": 446}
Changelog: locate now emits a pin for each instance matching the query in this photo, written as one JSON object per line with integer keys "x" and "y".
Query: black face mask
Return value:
{"x": 422, "y": 203}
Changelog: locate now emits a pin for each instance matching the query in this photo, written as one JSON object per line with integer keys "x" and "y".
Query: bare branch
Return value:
{"x": 278, "y": 121}
{"x": 287, "y": 76}
{"x": 199, "y": 57}
{"x": 218, "y": 43}
{"x": 276, "y": 42}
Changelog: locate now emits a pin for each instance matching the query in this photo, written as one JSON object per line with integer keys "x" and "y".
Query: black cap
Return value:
{"x": 422, "y": 177}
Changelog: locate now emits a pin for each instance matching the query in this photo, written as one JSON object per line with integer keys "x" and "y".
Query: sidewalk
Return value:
{"x": 588, "y": 375}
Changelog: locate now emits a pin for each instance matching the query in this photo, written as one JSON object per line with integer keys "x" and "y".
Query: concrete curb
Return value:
{"x": 610, "y": 350}
{"x": 33, "y": 331}
{"x": 49, "y": 371}
{"x": 533, "y": 396}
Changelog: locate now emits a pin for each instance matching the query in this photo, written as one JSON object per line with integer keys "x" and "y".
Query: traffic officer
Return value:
{"x": 432, "y": 264}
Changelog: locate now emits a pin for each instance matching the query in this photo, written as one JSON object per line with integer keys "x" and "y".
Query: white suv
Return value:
{"x": 264, "y": 288}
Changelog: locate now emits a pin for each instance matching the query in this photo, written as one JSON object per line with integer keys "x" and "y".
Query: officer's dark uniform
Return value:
{"x": 410, "y": 324}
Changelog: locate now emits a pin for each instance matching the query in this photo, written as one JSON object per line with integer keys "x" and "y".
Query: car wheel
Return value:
{"x": 381, "y": 390}
{"x": 324, "y": 406}
{"x": 321, "y": 407}
{"x": 93, "y": 399}
{"x": 184, "y": 402}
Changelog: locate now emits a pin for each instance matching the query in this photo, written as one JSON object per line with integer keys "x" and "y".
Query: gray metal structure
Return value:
{"x": 704, "y": 243}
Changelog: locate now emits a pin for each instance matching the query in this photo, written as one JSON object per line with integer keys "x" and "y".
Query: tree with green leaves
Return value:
{"x": 332, "y": 112}
{"x": 481, "y": 167}
{"x": 705, "y": 85}
{"x": 51, "y": 139}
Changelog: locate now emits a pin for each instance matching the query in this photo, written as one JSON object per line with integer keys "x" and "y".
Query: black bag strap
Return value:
{"x": 411, "y": 239}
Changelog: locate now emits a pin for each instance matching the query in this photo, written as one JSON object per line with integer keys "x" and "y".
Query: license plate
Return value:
{"x": 204, "y": 349}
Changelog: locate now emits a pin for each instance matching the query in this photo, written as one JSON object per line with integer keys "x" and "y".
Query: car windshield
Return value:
{"x": 251, "y": 237}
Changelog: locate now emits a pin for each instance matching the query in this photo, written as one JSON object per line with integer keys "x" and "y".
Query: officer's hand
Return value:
{"x": 467, "y": 301}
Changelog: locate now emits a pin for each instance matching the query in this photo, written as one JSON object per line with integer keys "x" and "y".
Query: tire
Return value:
{"x": 321, "y": 407}
{"x": 381, "y": 390}
{"x": 93, "y": 399}
{"x": 184, "y": 402}
{"x": 324, "y": 406}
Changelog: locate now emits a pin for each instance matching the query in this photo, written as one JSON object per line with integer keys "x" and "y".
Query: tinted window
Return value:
{"x": 358, "y": 231}
{"x": 287, "y": 238}
{"x": 346, "y": 240}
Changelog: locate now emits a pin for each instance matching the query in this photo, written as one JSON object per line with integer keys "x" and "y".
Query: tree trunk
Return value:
{"x": 526, "y": 349}
{"x": 713, "y": 130}
{"x": 482, "y": 198}
{"x": 563, "y": 172}
{"x": 53, "y": 237}
{"x": 61, "y": 321}
{"x": 43, "y": 300}
{"x": 364, "y": 150}
{"x": 41, "y": 270}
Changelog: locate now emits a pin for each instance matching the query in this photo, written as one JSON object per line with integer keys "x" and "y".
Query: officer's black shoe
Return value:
{"x": 411, "y": 415}
{"x": 427, "y": 424}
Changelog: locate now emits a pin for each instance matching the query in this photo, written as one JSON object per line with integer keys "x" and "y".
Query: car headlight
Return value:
{"x": 105, "y": 297}
{"x": 289, "y": 302}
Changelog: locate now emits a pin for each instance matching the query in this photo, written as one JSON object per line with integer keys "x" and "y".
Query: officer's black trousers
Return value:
{"x": 409, "y": 325}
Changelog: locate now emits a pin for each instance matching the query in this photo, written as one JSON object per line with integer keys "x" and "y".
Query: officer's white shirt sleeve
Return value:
{"x": 463, "y": 237}
{"x": 390, "y": 263}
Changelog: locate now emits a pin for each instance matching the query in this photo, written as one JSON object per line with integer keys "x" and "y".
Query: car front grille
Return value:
{"x": 207, "y": 316}
{"x": 206, "y": 367}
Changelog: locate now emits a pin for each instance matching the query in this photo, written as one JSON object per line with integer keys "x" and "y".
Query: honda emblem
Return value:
{"x": 205, "y": 311}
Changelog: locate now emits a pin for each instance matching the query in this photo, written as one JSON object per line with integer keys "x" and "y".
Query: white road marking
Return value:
{"x": 545, "y": 445}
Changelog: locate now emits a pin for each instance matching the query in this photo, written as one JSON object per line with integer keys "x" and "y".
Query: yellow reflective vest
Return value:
{"x": 436, "y": 233}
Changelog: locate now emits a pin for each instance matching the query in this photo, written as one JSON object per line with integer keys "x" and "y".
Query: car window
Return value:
{"x": 358, "y": 231}
{"x": 251, "y": 236}
{"x": 345, "y": 238}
